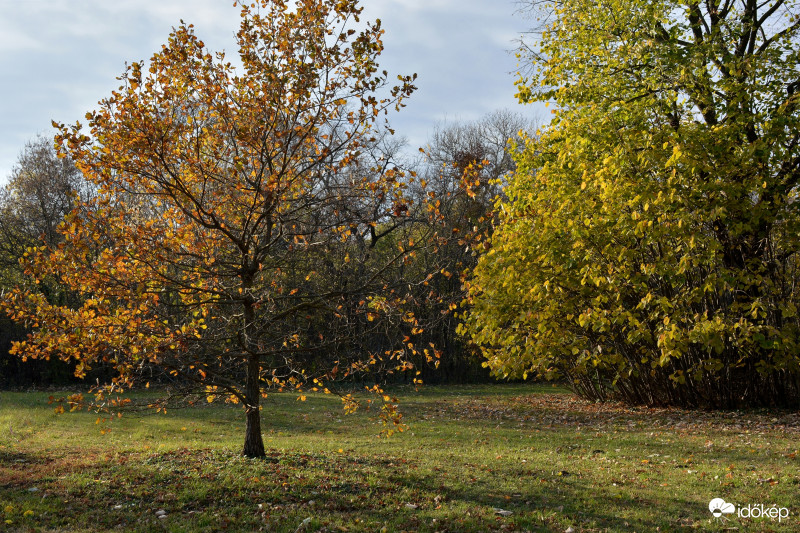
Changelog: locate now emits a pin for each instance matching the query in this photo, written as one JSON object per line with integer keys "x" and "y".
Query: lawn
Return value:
{"x": 475, "y": 458}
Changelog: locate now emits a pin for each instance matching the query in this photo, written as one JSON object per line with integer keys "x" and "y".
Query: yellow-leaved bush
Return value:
{"x": 648, "y": 246}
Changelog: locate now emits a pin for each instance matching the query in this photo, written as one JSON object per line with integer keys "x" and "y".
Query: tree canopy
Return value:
{"x": 40, "y": 192}
{"x": 648, "y": 248}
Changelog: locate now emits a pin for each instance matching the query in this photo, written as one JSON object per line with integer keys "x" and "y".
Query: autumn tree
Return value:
{"x": 234, "y": 205}
{"x": 648, "y": 248}
{"x": 41, "y": 190}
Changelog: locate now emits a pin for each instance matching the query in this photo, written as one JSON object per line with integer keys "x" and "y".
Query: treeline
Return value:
{"x": 43, "y": 189}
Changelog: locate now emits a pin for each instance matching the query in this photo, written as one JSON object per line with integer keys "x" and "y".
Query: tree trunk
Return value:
{"x": 253, "y": 441}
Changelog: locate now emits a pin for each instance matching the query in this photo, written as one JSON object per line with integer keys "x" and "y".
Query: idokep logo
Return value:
{"x": 719, "y": 507}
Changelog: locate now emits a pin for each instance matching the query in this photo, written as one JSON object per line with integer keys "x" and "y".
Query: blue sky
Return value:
{"x": 60, "y": 57}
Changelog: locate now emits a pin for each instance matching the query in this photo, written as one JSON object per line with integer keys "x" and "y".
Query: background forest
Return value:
{"x": 43, "y": 189}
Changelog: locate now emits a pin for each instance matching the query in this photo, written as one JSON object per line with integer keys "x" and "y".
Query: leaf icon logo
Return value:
{"x": 718, "y": 507}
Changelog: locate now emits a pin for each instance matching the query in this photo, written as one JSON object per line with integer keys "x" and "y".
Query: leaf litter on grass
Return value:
{"x": 564, "y": 410}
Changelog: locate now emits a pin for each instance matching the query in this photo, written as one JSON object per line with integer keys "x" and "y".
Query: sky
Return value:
{"x": 58, "y": 58}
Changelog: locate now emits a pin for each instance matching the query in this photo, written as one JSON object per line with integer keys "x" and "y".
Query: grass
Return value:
{"x": 483, "y": 458}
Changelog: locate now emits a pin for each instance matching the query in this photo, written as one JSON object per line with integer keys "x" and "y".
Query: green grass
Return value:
{"x": 553, "y": 461}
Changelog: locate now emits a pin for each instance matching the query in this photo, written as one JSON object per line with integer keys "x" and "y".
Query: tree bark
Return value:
{"x": 253, "y": 441}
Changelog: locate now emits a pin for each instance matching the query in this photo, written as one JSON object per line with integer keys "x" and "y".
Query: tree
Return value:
{"x": 233, "y": 208}
{"x": 648, "y": 249}
{"x": 41, "y": 190}
{"x": 465, "y": 165}
{"x": 453, "y": 147}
